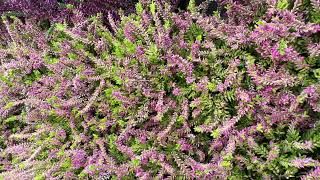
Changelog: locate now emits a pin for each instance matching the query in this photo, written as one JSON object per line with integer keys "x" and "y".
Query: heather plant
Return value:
{"x": 164, "y": 95}
{"x": 59, "y": 10}
{"x": 45, "y": 13}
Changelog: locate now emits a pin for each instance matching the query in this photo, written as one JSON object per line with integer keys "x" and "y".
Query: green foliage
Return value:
{"x": 282, "y": 4}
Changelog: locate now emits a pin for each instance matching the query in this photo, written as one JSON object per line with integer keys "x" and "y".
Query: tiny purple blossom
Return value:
{"x": 176, "y": 91}
{"x": 78, "y": 158}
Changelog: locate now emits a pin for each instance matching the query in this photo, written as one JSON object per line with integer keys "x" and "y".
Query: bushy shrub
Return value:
{"x": 164, "y": 94}
{"x": 57, "y": 10}
{"x": 45, "y": 13}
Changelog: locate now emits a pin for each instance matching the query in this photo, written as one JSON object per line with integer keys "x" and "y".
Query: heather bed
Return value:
{"x": 163, "y": 94}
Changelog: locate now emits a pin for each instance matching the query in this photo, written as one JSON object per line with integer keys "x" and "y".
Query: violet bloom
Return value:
{"x": 243, "y": 96}
{"x": 139, "y": 51}
{"x": 196, "y": 112}
{"x": 53, "y": 153}
{"x": 315, "y": 174}
{"x": 309, "y": 90}
{"x": 79, "y": 158}
{"x": 202, "y": 85}
{"x": 185, "y": 146}
{"x": 275, "y": 54}
{"x": 62, "y": 134}
{"x": 304, "y": 162}
{"x": 129, "y": 31}
{"x": 183, "y": 44}
{"x": 274, "y": 153}
{"x": 189, "y": 79}
{"x": 196, "y": 102}
{"x": 176, "y": 91}
{"x": 220, "y": 87}
{"x": 195, "y": 49}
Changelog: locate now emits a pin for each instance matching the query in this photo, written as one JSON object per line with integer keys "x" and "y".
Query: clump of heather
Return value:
{"x": 56, "y": 10}
{"x": 42, "y": 9}
{"x": 60, "y": 10}
{"x": 164, "y": 95}
{"x": 45, "y": 13}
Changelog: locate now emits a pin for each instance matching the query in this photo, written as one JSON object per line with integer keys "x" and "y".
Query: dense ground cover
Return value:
{"x": 163, "y": 93}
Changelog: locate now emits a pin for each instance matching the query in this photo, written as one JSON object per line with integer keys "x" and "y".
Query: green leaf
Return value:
{"x": 83, "y": 175}
{"x": 226, "y": 164}
{"x": 198, "y": 129}
{"x": 72, "y": 56}
{"x": 52, "y": 99}
{"x": 301, "y": 98}
{"x": 153, "y": 8}
{"x": 130, "y": 47}
{"x": 212, "y": 86}
{"x": 66, "y": 164}
{"x": 215, "y": 133}
{"x": 216, "y": 14}
{"x": 60, "y": 27}
{"x": 70, "y": 6}
{"x": 11, "y": 119}
{"x": 122, "y": 123}
{"x": 228, "y": 157}
{"x": 316, "y": 73}
{"x": 11, "y": 14}
{"x": 199, "y": 37}
{"x": 282, "y": 4}
{"x": 9, "y": 105}
{"x": 118, "y": 49}
{"x": 153, "y": 53}
{"x": 177, "y": 147}
{"x": 50, "y": 31}
{"x": 22, "y": 165}
{"x": 39, "y": 177}
{"x": 92, "y": 167}
{"x": 108, "y": 92}
{"x": 139, "y": 8}
{"x": 282, "y": 47}
{"x": 192, "y": 6}
{"x": 315, "y": 17}
{"x": 259, "y": 127}
{"x": 167, "y": 24}
{"x": 135, "y": 162}
{"x": 260, "y": 22}
{"x": 50, "y": 60}
{"x": 6, "y": 80}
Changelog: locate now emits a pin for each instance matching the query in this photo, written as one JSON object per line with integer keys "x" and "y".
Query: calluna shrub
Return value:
{"x": 57, "y": 9}
{"x": 45, "y": 13}
{"x": 164, "y": 94}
